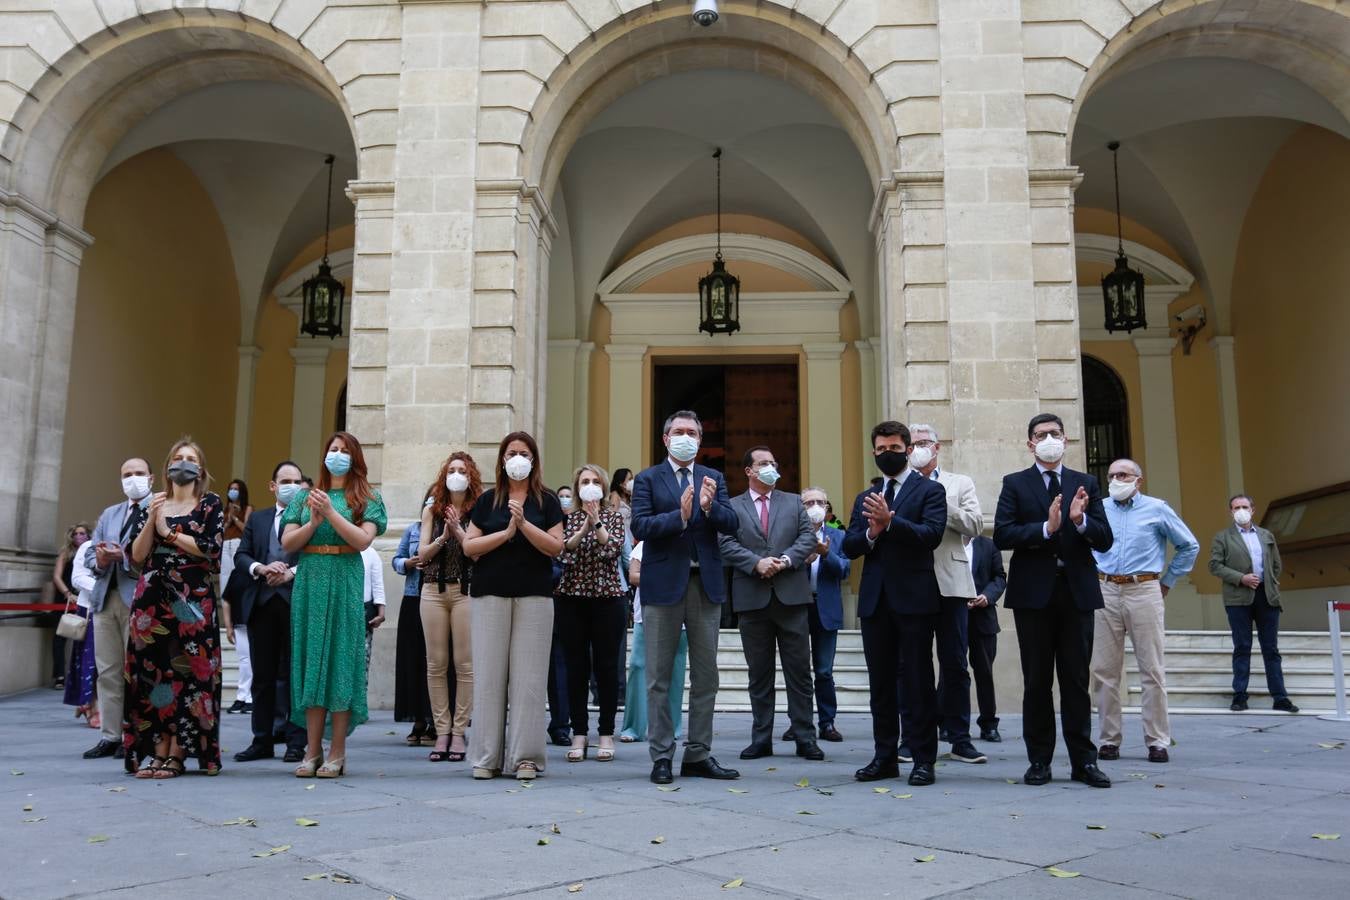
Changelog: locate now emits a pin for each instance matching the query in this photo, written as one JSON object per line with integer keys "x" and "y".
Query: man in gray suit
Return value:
{"x": 771, "y": 594}
{"x": 109, "y": 560}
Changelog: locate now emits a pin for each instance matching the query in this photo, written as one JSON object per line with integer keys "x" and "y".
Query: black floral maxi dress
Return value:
{"x": 172, "y": 666}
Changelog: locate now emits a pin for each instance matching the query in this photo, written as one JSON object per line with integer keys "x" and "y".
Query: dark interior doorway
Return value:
{"x": 741, "y": 404}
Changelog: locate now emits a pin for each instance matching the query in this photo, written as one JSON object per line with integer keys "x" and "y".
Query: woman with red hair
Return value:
{"x": 330, "y": 526}
{"x": 445, "y": 600}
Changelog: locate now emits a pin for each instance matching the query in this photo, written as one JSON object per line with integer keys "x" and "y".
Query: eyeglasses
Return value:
{"x": 1122, "y": 476}
{"x": 1042, "y": 435}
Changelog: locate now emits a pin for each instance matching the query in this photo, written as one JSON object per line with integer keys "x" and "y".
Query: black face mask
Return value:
{"x": 184, "y": 472}
{"x": 891, "y": 462}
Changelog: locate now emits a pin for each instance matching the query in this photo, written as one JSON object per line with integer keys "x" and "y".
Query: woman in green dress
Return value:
{"x": 330, "y": 526}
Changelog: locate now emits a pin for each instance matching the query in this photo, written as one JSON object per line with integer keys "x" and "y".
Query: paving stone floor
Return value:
{"x": 1234, "y": 814}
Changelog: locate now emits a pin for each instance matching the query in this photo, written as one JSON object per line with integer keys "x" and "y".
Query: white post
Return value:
{"x": 1337, "y": 662}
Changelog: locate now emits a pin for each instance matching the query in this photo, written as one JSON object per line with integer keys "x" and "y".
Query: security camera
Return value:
{"x": 705, "y": 12}
{"x": 1194, "y": 311}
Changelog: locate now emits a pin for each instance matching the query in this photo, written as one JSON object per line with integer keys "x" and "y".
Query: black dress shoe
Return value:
{"x": 830, "y": 733}
{"x": 904, "y": 754}
{"x": 1091, "y": 776}
{"x": 707, "y": 768}
{"x": 878, "y": 769}
{"x": 757, "y": 751}
{"x": 101, "y": 749}
{"x": 1284, "y": 704}
{"x": 1157, "y": 754}
{"x": 561, "y": 737}
{"x": 279, "y": 738}
{"x": 294, "y": 755}
{"x": 236, "y": 707}
{"x": 922, "y": 775}
{"x": 945, "y": 736}
{"x": 810, "y": 750}
{"x": 789, "y": 736}
{"x": 1037, "y": 774}
{"x": 1108, "y": 752}
{"x": 1238, "y": 705}
{"x": 247, "y": 710}
{"x": 661, "y": 772}
{"x": 255, "y": 751}
{"x": 990, "y": 736}
{"x": 120, "y": 752}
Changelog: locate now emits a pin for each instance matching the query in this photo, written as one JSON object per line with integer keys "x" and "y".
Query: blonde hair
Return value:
{"x": 203, "y": 482}
{"x": 604, "y": 483}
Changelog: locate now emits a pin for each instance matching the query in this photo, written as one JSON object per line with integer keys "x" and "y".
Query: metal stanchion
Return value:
{"x": 1337, "y": 660}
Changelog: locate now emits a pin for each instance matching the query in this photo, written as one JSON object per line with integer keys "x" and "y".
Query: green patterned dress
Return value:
{"x": 328, "y": 622}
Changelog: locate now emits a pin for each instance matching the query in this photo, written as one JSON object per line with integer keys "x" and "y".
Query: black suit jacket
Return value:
{"x": 990, "y": 580}
{"x": 900, "y": 566}
{"x": 1023, "y": 507}
{"x": 243, "y": 589}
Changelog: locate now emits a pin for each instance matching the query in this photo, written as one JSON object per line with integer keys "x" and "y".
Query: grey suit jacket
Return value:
{"x": 951, "y": 560}
{"x": 1229, "y": 560}
{"x": 790, "y": 534}
{"x": 109, "y": 528}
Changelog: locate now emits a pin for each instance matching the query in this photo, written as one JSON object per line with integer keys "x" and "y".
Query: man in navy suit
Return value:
{"x": 260, "y": 594}
{"x": 1053, "y": 592}
{"x": 829, "y": 568}
{"x": 986, "y": 566}
{"x": 679, "y": 508}
{"x": 896, "y": 529}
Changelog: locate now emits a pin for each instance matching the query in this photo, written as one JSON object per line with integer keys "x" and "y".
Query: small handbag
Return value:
{"x": 72, "y": 626}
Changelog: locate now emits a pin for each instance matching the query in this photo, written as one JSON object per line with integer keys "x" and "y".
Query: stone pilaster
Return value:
{"x": 1231, "y": 438}
{"x": 243, "y": 406}
{"x": 625, "y": 399}
{"x": 1160, "y": 418}
{"x": 824, "y": 388}
{"x": 307, "y": 412}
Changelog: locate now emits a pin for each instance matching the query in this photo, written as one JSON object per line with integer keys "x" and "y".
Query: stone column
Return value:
{"x": 581, "y": 408}
{"x": 559, "y": 440}
{"x": 824, "y": 389}
{"x": 243, "y": 407}
{"x": 311, "y": 367}
{"x": 368, "y": 382}
{"x": 868, "y": 353}
{"x": 1160, "y": 419}
{"x": 1228, "y": 411}
{"x": 625, "y": 404}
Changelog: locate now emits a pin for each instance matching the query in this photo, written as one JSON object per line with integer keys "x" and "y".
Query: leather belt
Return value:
{"x": 329, "y": 549}
{"x": 1129, "y": 579}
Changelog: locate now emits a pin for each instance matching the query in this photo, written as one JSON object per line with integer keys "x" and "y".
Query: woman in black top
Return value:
{"x": 515, "y": 531}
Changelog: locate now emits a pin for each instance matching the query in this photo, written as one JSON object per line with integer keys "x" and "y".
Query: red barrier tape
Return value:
{"x": 1341, "y": 606}
{"x": 34, "y": 607}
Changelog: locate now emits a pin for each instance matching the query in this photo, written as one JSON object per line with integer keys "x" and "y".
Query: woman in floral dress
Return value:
{"x": 172, "y": 668}
{"x": 330, "y": 526}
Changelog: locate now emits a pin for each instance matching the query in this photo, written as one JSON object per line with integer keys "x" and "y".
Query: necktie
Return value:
{"x": 684, "y": 480}
{"x": 763, "y": 501}
{"x": 129, "y": 522}
{"x": 890, "y": 491}
{"x": 1052, "y": 486}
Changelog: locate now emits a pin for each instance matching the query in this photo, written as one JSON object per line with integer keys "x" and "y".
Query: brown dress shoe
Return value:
{"x": 1157, "y": 754}
{"x": 1108, "y": 751}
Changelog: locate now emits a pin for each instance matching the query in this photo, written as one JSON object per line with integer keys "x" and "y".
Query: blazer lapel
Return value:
{"x": 905, "y": 487}
{"x": 1036, "y": 481}
{"x": 669, "y": 480}
{"x": 1238, "y": 552}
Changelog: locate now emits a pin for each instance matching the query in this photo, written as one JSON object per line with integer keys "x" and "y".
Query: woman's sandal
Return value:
{"x": 603, "y": 753}
{"x": 440, "y": 756}
{"x": 415, "y": 736}
{"x": 333, "y": 768}
{"x": 309, "y": 767}
{"x": 150, "y": 765}
{"x": 172, "y": 767}
{"x": 578, "y": 751}
{"x": 527, "y": 771}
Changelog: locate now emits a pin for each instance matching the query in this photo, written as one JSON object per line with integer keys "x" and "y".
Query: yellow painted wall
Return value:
{"x": 732, "y": 223}
{"x": 156, "y": 327}
{"x": 1290, "y": 321}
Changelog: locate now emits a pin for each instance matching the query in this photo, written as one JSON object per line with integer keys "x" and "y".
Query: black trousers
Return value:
{"x": 983, "y": 649}
{"x": 269, "y": 639}
{"x": 954, "y": 678}
{"x": 889, "y": 637}
{"x": 590, "y": 628}
{"x": 1056, "y": 640}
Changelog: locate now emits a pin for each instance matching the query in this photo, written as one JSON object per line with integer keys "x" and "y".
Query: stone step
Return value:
{"x": 1289, "y": 640}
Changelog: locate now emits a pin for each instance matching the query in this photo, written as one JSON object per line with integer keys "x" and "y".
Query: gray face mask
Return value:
{"x": 183, "y": 472}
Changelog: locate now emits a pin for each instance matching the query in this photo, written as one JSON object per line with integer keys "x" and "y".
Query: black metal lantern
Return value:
{"x": 719, "y": 292}
{"x": 324, "y": 293}
{"x": 1123, "y": 287}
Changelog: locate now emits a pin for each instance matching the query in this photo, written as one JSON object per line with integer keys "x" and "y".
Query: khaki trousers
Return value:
{"x": 445, "y": 617}
{"x": 512, "y": 637}
{"x": 110, "y": 652}
{"x": 1136, "y": 610}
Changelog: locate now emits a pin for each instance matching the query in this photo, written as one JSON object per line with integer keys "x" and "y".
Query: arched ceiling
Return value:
{"x": 645, "y": 163}
{"x": 1197, "y": 136}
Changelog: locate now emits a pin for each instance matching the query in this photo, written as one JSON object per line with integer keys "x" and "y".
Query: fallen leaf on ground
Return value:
{"x": 803, "y": 782}
{"x": 1138, "y": 775}
{"x": 576, "y": 888}
{"x": 825, "y": 792}
{"x": 929, "y": 858}
{"x": 1160, "y": 785}
{"x": 881, "y": 790}
{"x": 117, "y": 790}
{"x": 512, "y": 791}
{"x": 1335, "y": 745}
{"x": 903, "y": 796}
{"x": 306, "y": 823}
{"x": 35, "y": 819}
{"x": 771, "y": 769}
{"x": 317, "y": 876}
{"x": 16, "y": 771}
{"x": 1011, "y": 780}
{"x": 667, "y": 788}
{"x": 733, "y": 883}
{"x": 1327, "y": 837}
{"x": 99, "y": 839}
{"x": 542, "y": 842}
{"x": 555, "y": 829}
{"x": 1061, "y": 873}
{"x": 389, "y": 732}
{"x": 805, "y": 812}
{"x": 1157, "y": 835}
{"x": 272, "y": 851}
{"x": 242, "y": 820}
{"x": 737, "y": 791}
{"x": 339, "y": 878}
{"x": 310, "y": 787}
{"x": 28, "y": 808}
{"x": 1096, "y": 828}
{"x": 659, "y": 839}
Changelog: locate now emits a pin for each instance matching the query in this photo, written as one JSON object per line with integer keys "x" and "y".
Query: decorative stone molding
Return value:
{"x": 633, "y": 273}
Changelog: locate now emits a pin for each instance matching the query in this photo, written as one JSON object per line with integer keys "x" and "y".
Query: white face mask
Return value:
{"x": 767, "y": 475}
{"x": 1122, "y": 490}
{"x": 457, "y": 481}
{"x": 628, "y": 486}
{"x": 684, "y": 447}
{"x": 816, "y": 514}
{"x": 920, "y": 457}
{"x": 518, "y": 468}
{"x": 589, "y": 493}
{"x": 136, "y": 487}
{"x": 1050, "y": 450}
{"x": 565, "y": 502}
{"x": 1243, "y": 517}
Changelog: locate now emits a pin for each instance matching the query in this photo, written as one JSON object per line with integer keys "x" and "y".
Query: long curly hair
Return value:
{"x": 357, "y": 487}
{"x": 440, "y": 494}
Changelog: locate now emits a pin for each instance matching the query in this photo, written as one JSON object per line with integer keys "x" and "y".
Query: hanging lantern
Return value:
{"x": 719, "y": 292}
{"x": 323, "y": 293}
{"x": 1123, "y": 287}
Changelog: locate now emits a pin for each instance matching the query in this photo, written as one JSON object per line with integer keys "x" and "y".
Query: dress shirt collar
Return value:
{"x": 1250, "y": 529}
{"x": 676, "y": 466}
{"x": 1057, "y": 468}
{"x": 756, "y": 495}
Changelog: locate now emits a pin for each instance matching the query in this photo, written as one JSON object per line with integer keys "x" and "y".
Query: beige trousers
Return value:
{"x": 110, "y": 653}
{"x": 511, "y": 642}
{"x": 1136, "y": 610}
{"x": 445, "y": 617}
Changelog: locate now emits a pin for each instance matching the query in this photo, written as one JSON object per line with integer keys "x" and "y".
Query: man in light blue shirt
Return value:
{"x": 1135, "y": 578}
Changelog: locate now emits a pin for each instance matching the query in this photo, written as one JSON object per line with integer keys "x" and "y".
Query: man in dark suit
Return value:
{"x": 1051, "y": 517}
{"x": 679, "y": 508}
{"x": 829, "y": 568}
{"x": 260, "y": 593}
{"x": 896, "y": 529}
{"x": 986, "y": 566}
{"x": 771, "y": 593}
